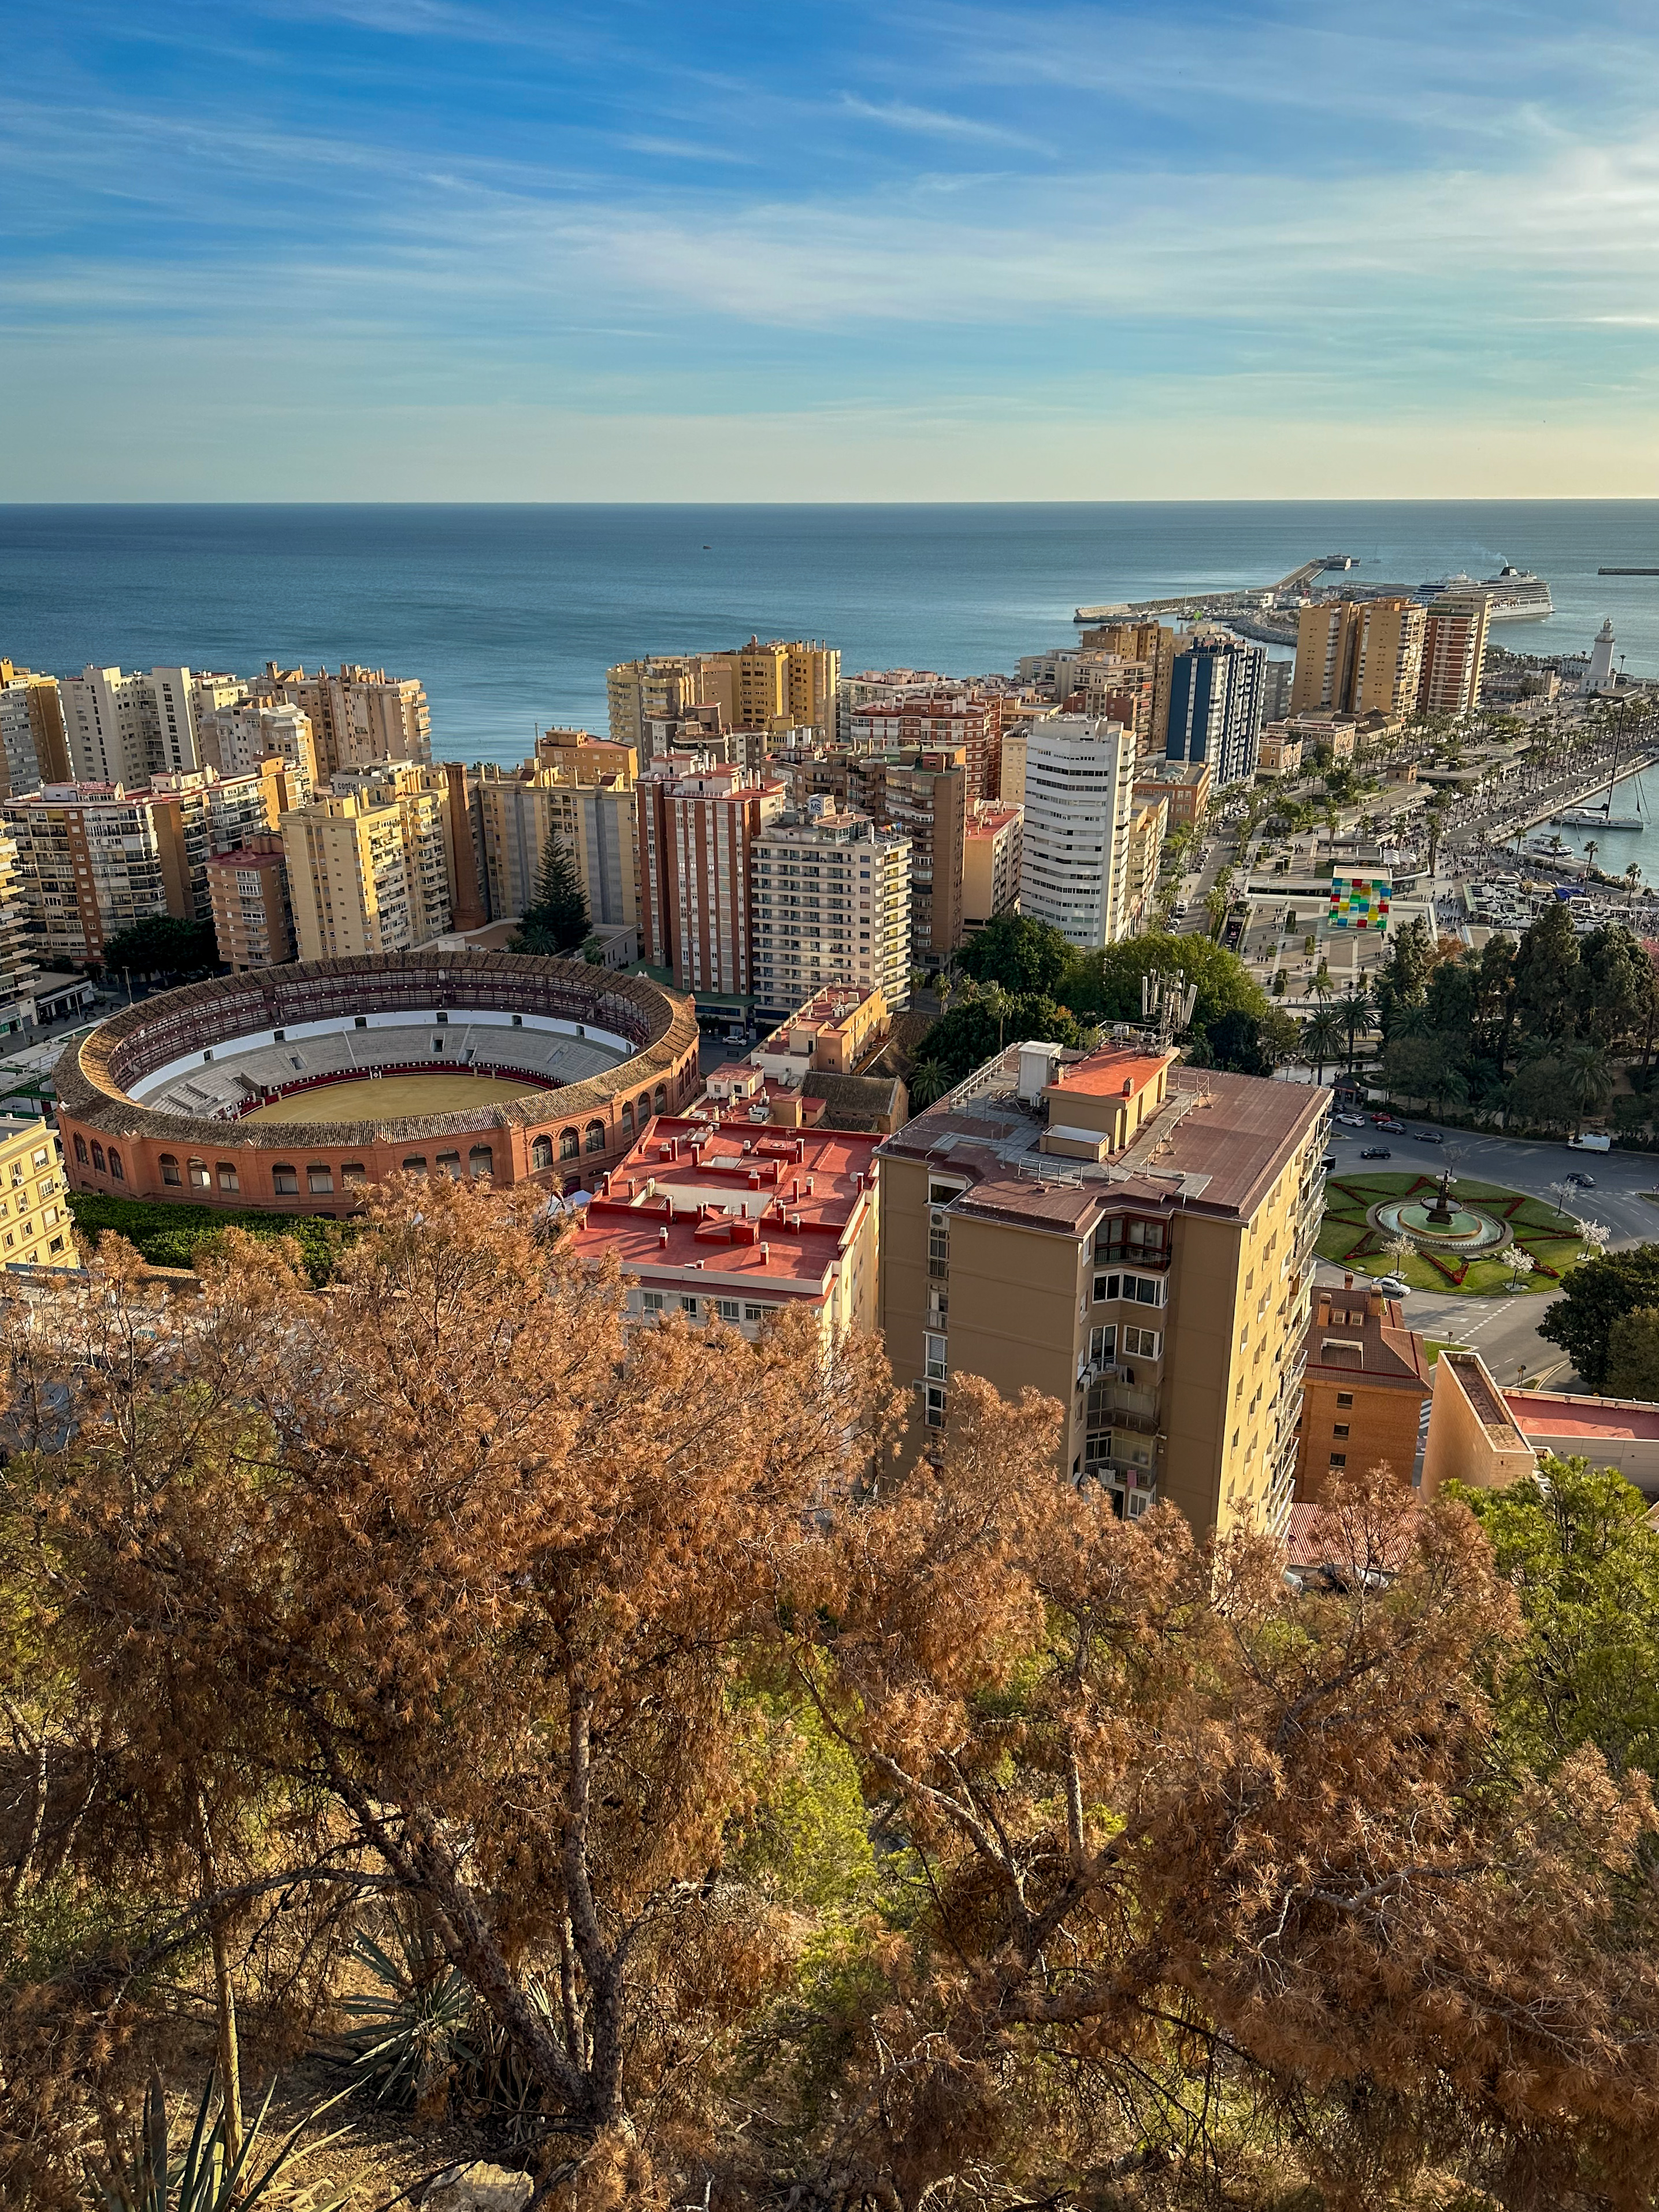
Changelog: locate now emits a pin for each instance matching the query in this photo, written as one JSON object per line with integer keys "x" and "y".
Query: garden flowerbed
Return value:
{"x": 1347, "y": 1237}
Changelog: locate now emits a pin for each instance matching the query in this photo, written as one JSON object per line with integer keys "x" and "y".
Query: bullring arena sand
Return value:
{"x": 388, "y": 1097}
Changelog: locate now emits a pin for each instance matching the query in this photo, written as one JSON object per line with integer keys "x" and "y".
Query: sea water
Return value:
{"x": 510, "y": 615}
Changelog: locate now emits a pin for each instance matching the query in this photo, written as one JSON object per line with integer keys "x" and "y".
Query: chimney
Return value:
{"x": 1128, "y": 1086}
{"x": 1324, "y": 1310}
{"x": 662, "y": 1239}
{"x": 1377, "y": 1305}
{"x": 1347, "y": 1282}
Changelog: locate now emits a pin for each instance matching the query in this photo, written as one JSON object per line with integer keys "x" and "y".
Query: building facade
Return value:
{"x": 253, "y": 914}
{"x": 1215, "y": 708}
{"x": 991, "y": 852}
{"x": 36, "y": 1229}
{"x": 831, "y": 905}
{"x": 1455, "y": 652}
{"x": 1131, "y": 1238}
{"x": 359, "y": 717}
{"x": 696, "y": 841}
{"x": 924, "y": 797}
{"x": 594, "y": 816}
{"x": 1359, "y": 657}
{"x": 1078, "y": 820}
{"x": 1364, "y": 1385}
{"x": 33, "y": 747}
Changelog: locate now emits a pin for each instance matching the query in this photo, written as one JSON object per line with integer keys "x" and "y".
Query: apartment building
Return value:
{"x": 371, "y": 862}
{"x": 770, "y": 685}
{"x": 965, "y": 721}
{"x": 581, "y": 758}
{"x": 36, "y": 1229}
{"x": 1148, "y": 824}
{"x": 1364, "y": 1384}
{"x": 588, "y": 806}
{"x": 253, "y": 914}
{"x": 696, "y": 838}
{"x": 872, "y": 683}
{"x": 1279, "y": 751}
{"x": 1080, "y": 810}
{"x": 238, "y": 735}
{"x": 812, "y": 1071}
{"x": 1215, "y": 707}
{"x": 33, "y": 747}
{"x": 1135, "y": 1239}
{"x": 23, "y": 991}
{"x": 1186, "y": 789}
{"x": 991, "y": 854}
{"x": 714, "y": 1223}
{"x": 359, "y": 718}
{"x": 1278, "y": 681}
{"x": 831, "y": 905}
{"x": 660, "y": 688}
{"x": 93, "y": 858}
{"x": 1359, "y": 657}
{"x": 1455, "y": 652}
{"x": 924, "y": 796}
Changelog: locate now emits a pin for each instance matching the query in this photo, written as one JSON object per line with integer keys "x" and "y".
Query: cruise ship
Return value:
{"x": 1516, "y": 594}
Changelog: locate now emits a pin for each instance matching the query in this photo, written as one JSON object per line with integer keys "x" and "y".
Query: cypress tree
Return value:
{"x": 556, "y": 919}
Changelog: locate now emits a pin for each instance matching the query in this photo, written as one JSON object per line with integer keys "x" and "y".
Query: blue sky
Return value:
{"x": 487, "y": 249}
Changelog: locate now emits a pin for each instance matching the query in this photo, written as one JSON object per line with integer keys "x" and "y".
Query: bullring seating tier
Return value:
{"x": 232, "y": 1081}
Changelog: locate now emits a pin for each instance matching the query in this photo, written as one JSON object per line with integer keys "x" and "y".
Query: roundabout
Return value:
{"x": 1465, "y": 1236}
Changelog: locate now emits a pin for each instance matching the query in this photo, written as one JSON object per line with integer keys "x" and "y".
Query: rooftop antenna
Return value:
{"x": 1166, "y": 1007}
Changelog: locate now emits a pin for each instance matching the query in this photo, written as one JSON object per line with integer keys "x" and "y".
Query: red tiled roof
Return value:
{"x": 1537, "y": 1412}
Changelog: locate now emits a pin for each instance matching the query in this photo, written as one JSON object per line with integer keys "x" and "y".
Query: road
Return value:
{"x": 1505, "y": 1330}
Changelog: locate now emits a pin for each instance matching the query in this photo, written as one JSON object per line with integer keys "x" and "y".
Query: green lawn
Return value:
{"x": 1345, "y": 1236}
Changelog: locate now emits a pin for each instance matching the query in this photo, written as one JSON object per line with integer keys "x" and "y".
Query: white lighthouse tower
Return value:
{"x": 1598, "y": 675}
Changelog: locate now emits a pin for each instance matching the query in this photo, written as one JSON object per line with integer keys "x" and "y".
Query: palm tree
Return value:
{"x": 1591, "y": 848}
{"x": 1216, "y": 907}
{"x": 1354, "y": 1008}
{"x": 1587, "y": 1078}
{"x": 1322, "y": 1040}
{"x": 995, "y": 1000}
{"x": 928, "y": 1081}
{"x": 1633, "y": 879}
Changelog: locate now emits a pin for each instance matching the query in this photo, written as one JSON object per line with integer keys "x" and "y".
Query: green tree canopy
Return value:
{"x": 1022, "y": 954}
{"x": 1547, "y": 975}
{"x": 557, "y": 920}
{"x": 1614, "y": 987}
{"x": 162, "y": 944}
{"x": 1106, "y": 983}
{"x": 1596, "y": 1296}
{"x": 1574, "y": 1546}
{"x": 968, "y": 1036}
{"x": 1633, "y": 1354}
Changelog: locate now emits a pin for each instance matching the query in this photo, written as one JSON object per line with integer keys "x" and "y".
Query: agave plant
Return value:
{"x": 417, "y": 2028}
{"x": 148, "y": 2177}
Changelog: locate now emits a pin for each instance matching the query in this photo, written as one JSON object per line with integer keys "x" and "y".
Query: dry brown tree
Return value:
{"x": 1200, "y": 1855}
{"x": 432, "y": 1588}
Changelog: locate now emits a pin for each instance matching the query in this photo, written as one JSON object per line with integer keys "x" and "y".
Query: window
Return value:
{"x": 689, "y": 1306}
{"x": 169, "y": 1167}
{"x": 541, "y": 1153}
{"x": 227, "y": 1176}
{"x": 285, "y": 1181}
{"x": 55, "y": 1245}
{"x": 115, "y": 1167}
{"x": 1345, "y": 1397}
{"x": 661, "y": 1096}
{"x": 1338, "y": 1459}
{"x": 416, "y": 1166}
{"x": 594, "y": 1141}
{"x": 98, "y": 1161}
{"x": 1144, "y": 1343}
{"x": 569, "y": 1144}
{"x": 727, "y": 1309}
{"x": 481, "y": 1160}
{"x": 353, "y": 1174}
{"x": 627, "y": 1119}
{"x": 644, "y": 1108}
{"x": 1103, "y": 1346}
{"x": 319, "y": 1180}
{"x": 938, "y": 1243}
{"x": 1340, "y": 1429}
{"x": 941, "y": 1194}
{"x": 198, "y": 1174}
{"x": 80, "y": 1150}
{"x": 754, "y": 1313}
{"x": 935, "y": 1362}
{"x": 449, "y": 1163}
{"x": 934, "y": 1402}
{"x": 651, "y": 1301}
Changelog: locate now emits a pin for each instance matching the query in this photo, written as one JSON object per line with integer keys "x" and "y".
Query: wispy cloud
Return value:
{"x": 936, "y": 123}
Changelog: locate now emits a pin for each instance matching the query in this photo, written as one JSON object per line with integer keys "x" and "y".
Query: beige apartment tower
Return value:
{"x": 1132, "y": 1237}
{"x": 371, "y": 863}
{"x": 1454, "y": 652}
{"x": 358, "y": 719}
{"x": 1359, "y": 657}
{"x": 593, "y": 819}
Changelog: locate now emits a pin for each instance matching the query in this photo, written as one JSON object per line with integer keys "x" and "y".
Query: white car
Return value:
{"x": 1392, "y": 1287}
{"x": 1353, "y": 1120}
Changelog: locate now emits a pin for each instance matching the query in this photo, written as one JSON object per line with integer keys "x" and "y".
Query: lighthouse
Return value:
{"x": 1598, "y": 674}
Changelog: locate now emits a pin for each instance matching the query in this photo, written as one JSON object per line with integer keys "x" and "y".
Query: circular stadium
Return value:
{"x": 291, "y": 1088}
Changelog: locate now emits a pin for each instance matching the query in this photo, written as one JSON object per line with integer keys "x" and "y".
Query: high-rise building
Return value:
{"x": 1278, "y": 678}
{"x": 237, "y": 736}
{"x": 965, "y": 721}
{"x": 1359, "y": 657}
{"x": 33, "y": 749}
{"x": 1134, "y": 1239}
{"x": 358, "y": 719}
{"x": 924, "y": 796}
{"x": 1455, "y": 652}
{"x": 1146, "y": 834}
{"x": 696, "y": 837}
{"x": 1079, "y": 811}
{"x": 830, "y": 904}
{"x": 661, "y": 687}
{"x": 93, "y": 858}
{"x": 990, "y": 863}
{"x": 371, "y": 865}
{"x": 580, "y": 758}
{"x": 253, "y": 917}
{"x": 1215, "y": 707}
{"x": 766, "y": 686}
{"x": 19, "y": 975}
{"x": 593, "y": 817}
{"x": 36, "y": 1229}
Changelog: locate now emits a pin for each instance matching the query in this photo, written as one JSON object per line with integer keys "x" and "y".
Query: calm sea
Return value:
{"x": 510, "y": 615}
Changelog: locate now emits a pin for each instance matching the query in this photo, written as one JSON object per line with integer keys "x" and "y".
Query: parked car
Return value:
{"x": 1582, "y": 1181}
{"x": 1429, "y": 1137}
{"x": 1381, "y": 1119}
{"x": 1376, "y": 1152}
{"x": 1393, "y": 1128}
{"x": 1353, "y": 1120}
{"x": 1392, "y": 1287}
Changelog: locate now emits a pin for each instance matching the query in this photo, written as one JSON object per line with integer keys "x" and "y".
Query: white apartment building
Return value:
{"x": 127, "y": 726}
{"x": 237, "y": 736}
{"x": 831, "y": 905}
{"x": 1079, "y": 817}
{"x": 358, "y": 718}
{"x": 31, "y": 724}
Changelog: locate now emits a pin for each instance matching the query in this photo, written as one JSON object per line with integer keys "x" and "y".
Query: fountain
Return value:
{"x": 1441, "y": 1226}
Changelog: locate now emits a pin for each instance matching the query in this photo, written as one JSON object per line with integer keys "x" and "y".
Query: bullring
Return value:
{"x": 193, "y": 1096}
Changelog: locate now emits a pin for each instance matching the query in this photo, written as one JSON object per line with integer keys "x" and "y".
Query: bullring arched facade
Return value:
{"x": 563, "y": 1138}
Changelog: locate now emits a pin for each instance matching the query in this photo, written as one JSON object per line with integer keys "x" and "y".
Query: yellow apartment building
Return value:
{"x": 1359, "y": 657}
{"x": 1135, "y": 1239}
{"x": 36, "y": 1227}
{"x": 592, "y": 814}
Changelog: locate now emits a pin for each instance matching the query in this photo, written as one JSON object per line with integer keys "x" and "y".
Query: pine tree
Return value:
{"x": 556, "y": 919}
